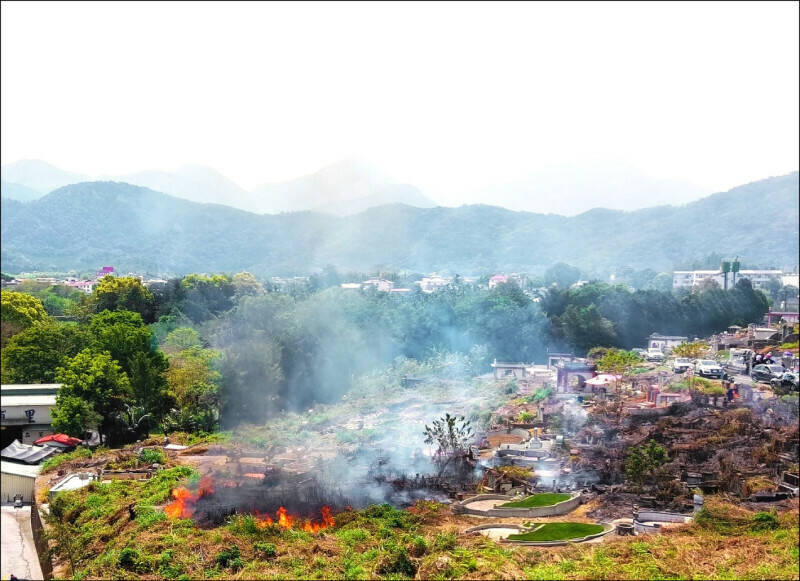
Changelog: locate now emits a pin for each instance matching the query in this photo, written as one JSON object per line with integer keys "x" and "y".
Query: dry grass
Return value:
{"x": 721, "y": 545}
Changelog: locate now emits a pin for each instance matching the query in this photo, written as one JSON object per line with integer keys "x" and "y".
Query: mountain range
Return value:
{"x": 85, "y": 225}
{"x": 351, "y": 186}
{"x": 347, "y": 187}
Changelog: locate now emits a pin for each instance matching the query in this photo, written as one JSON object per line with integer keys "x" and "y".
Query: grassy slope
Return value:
{"x": 559, "y": 531}
{"x": 382, "y": 542}
{"x": 542, "y": 499}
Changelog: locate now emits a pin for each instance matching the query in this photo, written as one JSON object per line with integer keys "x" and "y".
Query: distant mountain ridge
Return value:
{"x": 343, "y": 188}
{"x": 85, "y": 225}
{"x": 37, "y": 175}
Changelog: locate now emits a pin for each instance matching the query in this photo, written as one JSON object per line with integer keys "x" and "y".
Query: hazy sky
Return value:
{"x": 449, "y": 96}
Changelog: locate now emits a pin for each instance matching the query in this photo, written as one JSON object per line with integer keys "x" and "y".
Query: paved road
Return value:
{"x": 17, "y": 551}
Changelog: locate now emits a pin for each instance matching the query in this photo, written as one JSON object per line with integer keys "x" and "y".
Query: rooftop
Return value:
{"x": 30, "y": 389}
{"x": 20, "y": 469}
{"x": 28, "y": 400}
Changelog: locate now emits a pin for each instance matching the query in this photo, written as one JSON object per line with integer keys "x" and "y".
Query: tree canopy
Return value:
{"x": 18, "y": 311}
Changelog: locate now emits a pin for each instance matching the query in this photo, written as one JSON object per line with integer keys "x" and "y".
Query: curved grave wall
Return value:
{"x": 559, "y": 508}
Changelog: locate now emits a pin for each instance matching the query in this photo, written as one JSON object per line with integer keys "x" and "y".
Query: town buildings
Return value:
{"x": 694, "y": 278}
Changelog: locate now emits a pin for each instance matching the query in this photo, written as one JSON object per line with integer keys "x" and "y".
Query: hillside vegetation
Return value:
{"x": 381, "y": 542}
{"x": 84, "y": 225}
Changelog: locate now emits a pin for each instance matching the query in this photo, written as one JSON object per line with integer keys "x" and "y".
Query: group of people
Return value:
{"x": 751, "y": 359}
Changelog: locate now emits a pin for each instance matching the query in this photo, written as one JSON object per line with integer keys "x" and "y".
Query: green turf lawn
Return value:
{"x": 542, "y": 499}
{"x": 558, "y": 531}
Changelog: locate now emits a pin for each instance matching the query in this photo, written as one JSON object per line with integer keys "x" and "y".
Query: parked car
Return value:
{"x": 708, "y": 368}
{"x": 787, "y": 382}
{"x": 654, "y": 354}
{"x": 767, "y": 372}
{"x": 681, "y": 364}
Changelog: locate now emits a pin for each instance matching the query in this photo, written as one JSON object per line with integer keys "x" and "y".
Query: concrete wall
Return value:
{"x": 554, "y": 510}
{"x": 653, "y": 515}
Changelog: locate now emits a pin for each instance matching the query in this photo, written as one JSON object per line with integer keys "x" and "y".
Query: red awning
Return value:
{"x": 60, "y": 438}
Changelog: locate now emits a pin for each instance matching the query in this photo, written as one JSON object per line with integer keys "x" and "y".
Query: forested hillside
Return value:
{"x": 84, "y": 225}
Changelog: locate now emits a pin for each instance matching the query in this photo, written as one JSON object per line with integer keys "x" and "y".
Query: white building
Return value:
{"x": 665, "y": 342}
{"x": 791, "y": 280}
{"x": 430, "y": 284}
{"x": 694, "y": 278}
{"x": 26, "y": 412}
{"x": 379, "y": 283}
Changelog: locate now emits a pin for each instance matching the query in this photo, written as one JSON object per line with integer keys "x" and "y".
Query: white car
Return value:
{"x": 681, "y": 364}
{"x": 654, "y": 354}
{"x": 708, "y": 368}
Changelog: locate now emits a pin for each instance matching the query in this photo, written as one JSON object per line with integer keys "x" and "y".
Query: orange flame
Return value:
{"x": 184, "y": 506}
{"x": 287, "y": 521}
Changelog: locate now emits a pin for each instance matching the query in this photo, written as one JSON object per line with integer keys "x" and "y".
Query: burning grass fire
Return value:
{"x": 185, "y": 505}
{"x": 287, "y": 521}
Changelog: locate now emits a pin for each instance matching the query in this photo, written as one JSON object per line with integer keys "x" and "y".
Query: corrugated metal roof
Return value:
{"x": 20, "y": 469}
{"x": 27, "y": 400}
{"x": 26, "y": 453}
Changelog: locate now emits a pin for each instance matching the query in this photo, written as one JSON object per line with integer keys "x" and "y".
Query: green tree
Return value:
{"x": 33, "y": 355}
{"x": 618, "y": 362}
{"x": 693, "y": 350}
{"x": 245, "y": 284}
{"x": 74, "y": 416}
{"x": 99, "y": 381}
{"x": 121, "y": 333}
{"x": 18, "y": 311}
{"x": 124, "y": 294}
{"x": 584, "y": 327}
{"x": 194, "y": 384}
{"x": 180, "y": 339}
{"x": 642, "y": 461}
{"x": 452, "y": 436}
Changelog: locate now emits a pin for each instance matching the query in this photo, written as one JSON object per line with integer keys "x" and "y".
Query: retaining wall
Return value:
{"x": 40, "y": 542}
{"x": 562, "y": 507}
{"x": 654, "y": 515}
{"x": 607, "y": 528}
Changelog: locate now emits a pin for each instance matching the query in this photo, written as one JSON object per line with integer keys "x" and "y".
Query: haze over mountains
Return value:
{"x": 82, "y": 226}
{"x": 347, "y": 187}
{"x": 351, "y": 186}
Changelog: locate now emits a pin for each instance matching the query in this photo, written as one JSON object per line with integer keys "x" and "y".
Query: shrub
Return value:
{"x": 764, "y": 521}
{"x": 395, "y": 559}
{"x": 152, "y": 456}
{"x": 147, "y": 516}
{"x": 265, "y": 550}
{"x": 230, "y": 558}
{"x": 444, "y": 541}
{"x": 128, "y": 558}
{"x": 417, "y": 546}
{"x": 167, "y": 568}
{"x": 352, "y": 536}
